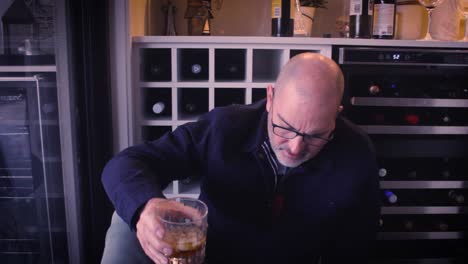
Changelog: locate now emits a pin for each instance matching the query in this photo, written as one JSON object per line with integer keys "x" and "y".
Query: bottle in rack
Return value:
{"x": 157, "y": 102}
{"x": 230, "y": 64}
{"x": 375, "y": 90}
{"x": 408, "y": 225}
{"x": 390, "y": 197}
{"x": 158, "y": 107}
{"x": 383, "y": 26}
{"x": 360, "y": 18}
{"x": 281, "y": 23}
{"x": 440, "y": 226}
{"x": 193, "y": 64}
{"x": 456, "y": 197}
{"x": 193, "y": 101}
{"x": 156, "y": 65}
{"x": 383, "y": 172}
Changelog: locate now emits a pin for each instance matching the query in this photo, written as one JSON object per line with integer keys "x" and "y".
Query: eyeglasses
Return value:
{"x": 308, "y": 139}
{"x": 289, "y": 133}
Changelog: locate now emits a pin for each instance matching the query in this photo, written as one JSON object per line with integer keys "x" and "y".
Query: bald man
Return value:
{"x": 286, "y": 180}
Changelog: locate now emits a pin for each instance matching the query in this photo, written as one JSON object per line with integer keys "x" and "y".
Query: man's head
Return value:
{"x": 306, "y": 99}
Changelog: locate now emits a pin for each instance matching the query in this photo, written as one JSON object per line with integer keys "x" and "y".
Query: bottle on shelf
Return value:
{"x": 193, "y": 101}
{"x": 360, "y": 18}
{"x": 384, "y": 19}
{"x": 383, "y": 172}
{"x": 193, "y": 64}
{"x": 157, "y": 102}
{"x": 412, "y": 119}
{"x": 158, "y": 107}
{"x": 440, "y": 226}
{"x": 282, "y": 25}
{"x": 444, "y": 118}
{"x": 456, "y": 197}
{"x": 408, "y": 225}
{"x": 230, "y": 64}
{"x": 156, "y": 65}
{"x": 446, "y": 169}
{"x": 190, "y": 107}
{"x": 390, "y": 197}
{"x": 375, "y": 90}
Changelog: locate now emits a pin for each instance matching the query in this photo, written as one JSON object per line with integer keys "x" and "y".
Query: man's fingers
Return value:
{"x": 155, "y": 255}
{"x": 150, "y": 234}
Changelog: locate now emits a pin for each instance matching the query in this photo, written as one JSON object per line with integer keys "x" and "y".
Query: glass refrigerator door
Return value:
{"x": 38, "y": 215}
{"x": 32, "y": 226}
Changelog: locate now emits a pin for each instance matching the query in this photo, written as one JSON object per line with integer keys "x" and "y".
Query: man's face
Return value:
{"x": 303, "y": 115}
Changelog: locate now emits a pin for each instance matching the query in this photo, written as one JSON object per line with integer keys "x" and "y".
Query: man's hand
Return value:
{"x": 150, "y": 232}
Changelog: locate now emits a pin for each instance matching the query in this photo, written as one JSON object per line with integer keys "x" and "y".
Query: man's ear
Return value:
{"x": 270, "y": 93}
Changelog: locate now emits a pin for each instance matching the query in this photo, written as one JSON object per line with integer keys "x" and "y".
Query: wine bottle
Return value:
{"x": 194, "y": 64}
{"x": 360, "y": 18}
{"x": 441, "y": 226}
{"x": 383, "y": 172}
{"x": 157, "y": 102}
{"x": 384, "y": 19}
{"x": 390, "y": 197}
{"x": 375, "y": 90}
{"x": 408, "y": 225}
{"x": 158, "y": 107}
{"x": 193, "y": 101}
{"x": 190, "y": 107}
{"x": 230, "y": 64}
{"x": 456, "y": 197}
{"x": 281, "y": 23}
{"x": 446, "y": 169}
{"x": 156, "y": 65}
{"x": 412, "y": 119}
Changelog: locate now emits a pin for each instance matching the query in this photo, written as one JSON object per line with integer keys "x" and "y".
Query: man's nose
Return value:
{"x": 296, "y": 145}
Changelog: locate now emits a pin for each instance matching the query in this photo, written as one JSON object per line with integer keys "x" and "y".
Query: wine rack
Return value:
{"x": 416, "y": 112}
{"x": 177, "y": 82}
{"x": 422, "y": 154}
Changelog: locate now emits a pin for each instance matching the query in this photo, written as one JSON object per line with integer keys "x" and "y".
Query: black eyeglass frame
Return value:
{"x": 304, "y": 136}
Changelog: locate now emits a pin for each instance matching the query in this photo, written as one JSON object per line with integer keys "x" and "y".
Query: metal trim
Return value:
{"x": 391, "y": 210}
{"x": 416, "y": 130}
{"x": 342, "y": 59}
{"x": 420, "y": 235}
{"x": 408, "y": 102}
{"x": 423, "y": 184}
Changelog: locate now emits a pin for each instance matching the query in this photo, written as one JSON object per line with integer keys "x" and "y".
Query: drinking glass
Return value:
{"x": 185, "y": 224}
{"x": 465, "y": 13}
{"x": 429, "y": 5}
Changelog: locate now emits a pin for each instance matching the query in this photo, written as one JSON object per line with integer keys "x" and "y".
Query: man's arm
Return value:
{"x": 140, "y": 173}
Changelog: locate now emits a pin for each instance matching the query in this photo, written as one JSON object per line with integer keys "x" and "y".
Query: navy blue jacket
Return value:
{"x": 331, "y": 202}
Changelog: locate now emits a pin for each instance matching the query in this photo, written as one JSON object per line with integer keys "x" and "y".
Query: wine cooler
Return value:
{"x": 31, "y": 190}
{"x": 413, "y": 102}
